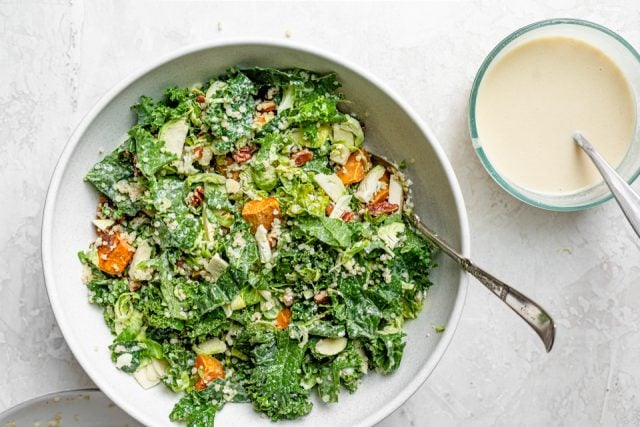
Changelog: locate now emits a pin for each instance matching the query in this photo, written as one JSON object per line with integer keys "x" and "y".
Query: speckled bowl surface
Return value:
{"x": 79, "y": 408}
{"x": 393, "y": 130}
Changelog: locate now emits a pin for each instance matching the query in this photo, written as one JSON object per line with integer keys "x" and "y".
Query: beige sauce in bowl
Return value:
{"x": 536, "y": 96}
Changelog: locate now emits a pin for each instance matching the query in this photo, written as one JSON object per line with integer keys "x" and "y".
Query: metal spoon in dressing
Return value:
{"x": 530, "y": 311}
{"x": 628, "y": 199}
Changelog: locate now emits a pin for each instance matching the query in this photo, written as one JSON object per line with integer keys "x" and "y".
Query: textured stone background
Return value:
{"x": 58, "y": 57}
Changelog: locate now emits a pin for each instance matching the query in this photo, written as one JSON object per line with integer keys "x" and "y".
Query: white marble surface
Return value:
{"x": 58, "y": 57}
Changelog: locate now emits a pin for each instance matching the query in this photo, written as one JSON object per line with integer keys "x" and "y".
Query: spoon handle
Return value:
{"x": 532, "y": 313}
{"x": 628, "y": 199}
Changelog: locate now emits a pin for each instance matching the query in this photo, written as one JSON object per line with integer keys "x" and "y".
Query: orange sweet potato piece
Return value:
{"x": 262, "y": 211}
{"x": 283, "y": 318}
{"x": 355, "y": 169}
{"x": 209, "y": 369}
{"x": 114, "y": 254}
{"x": 381, "y": 195}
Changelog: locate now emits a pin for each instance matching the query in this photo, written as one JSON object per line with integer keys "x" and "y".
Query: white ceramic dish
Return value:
{"x": 82, "y": 408}
{"x": 393, "y": 130}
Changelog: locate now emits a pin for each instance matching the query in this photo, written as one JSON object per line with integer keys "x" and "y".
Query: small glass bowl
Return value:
{"x": 627, "y": 59}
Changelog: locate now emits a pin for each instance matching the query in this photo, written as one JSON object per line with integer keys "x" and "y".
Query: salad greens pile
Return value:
{"x": 249, "y": 251}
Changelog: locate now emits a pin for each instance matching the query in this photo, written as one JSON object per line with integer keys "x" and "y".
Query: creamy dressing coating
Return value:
{"x": 536, "y": 96}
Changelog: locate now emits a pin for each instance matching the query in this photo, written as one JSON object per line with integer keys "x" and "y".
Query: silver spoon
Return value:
{"x": 535, "y": 316}
{"x": 628, "y": 199}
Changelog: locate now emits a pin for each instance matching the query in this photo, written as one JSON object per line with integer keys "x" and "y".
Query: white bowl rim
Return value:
{"x": 52, "y": 192}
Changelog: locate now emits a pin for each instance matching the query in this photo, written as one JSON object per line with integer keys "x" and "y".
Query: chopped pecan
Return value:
{"x": 321, "y": 297}
{"x": 134, "y": 285}
{"x": 347, "y": 216}
{"x": 198, "y": 152}
{"x": 266, "y": 106}
{"x": 302, "y": 157}
{"x": 244, "y": 154}
{"x": 197, "y": 197}
{"x": 328, "y": 209}
{"x": 380, "y": 208}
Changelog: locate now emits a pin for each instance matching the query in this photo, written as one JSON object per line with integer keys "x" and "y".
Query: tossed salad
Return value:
{"x": 248, "y": 250}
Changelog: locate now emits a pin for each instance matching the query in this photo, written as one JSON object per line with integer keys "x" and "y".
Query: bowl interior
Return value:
{"x": 627, "y": 59}
{"x": 391, "y": 131}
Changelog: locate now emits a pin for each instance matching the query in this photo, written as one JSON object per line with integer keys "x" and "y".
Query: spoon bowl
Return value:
{"x": 530, "y": 311}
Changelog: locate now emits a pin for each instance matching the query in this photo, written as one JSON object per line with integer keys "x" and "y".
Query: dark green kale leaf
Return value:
{"x": 176, "y": 103}
{"x": 361, "y": 315}
{"x": 332, "y": 231}
{"x": 151, "y": 155}
{"x": 385, "y": 351}
{"x": 208, "y": 296}
{"x": 198, "y": 408}
{"x": 178, "y": 227}
{"x": 346, "y": 368}
{"x": 129, "y": 355}
{"x": 180, "y": 362}
{"x": 324, "y": 328}
{"x": 115, "y": 167}
{"x": 156, "y": 313}
{"x": 229, "y": 113}
{"x": 242, "y": 254}
{"x": 274, "y": 386}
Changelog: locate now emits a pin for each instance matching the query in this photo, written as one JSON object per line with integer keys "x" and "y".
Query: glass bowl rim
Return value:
{"x": 473, "y": 131}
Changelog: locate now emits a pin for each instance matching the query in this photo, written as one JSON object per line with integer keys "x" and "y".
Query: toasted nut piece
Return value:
{"x": 266, "y": 106}
{"x": 114, "y": 254}
{"x": 328, "y": 209}
{"x": 382, "y": 208}
{"x": 261, "y": 212}
{"x": 321, "y": 297}
{"x": 244, "y": 154}
{"x": 198, "y": 152}
{"x": 302, "y": 157}
{"x": 347, "y": 216}
{"x": 197, "y": 197}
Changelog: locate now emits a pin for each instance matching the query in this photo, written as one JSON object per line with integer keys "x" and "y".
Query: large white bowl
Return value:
{"x": 393, "y": 130}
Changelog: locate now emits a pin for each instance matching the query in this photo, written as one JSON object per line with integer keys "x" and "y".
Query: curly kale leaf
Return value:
{"x": 274, "y": 386}
{"x": 151, "y": 155}
{"x": 115, "y": 167}
{"x": 385, "y": 351}
{"x": 230, "y": 110}
{"x": 129, "y": 355}
{"x": 346, "y": 368}
{"x": 242, "y": 253}
{"x": 332, "y": 231}
{"x": 178, "y": 227}
{"x": 176, "y": 103}
{"x": 198, "y": 408}
{"x": 180, "y": 362}
{"x": 357, "y": 310}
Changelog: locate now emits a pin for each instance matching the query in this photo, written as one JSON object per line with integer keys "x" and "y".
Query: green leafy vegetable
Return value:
{"x": 224, "y": 297}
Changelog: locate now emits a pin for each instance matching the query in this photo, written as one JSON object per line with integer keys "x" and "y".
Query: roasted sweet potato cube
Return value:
{"x": 262, "y": 211}
{"x": 381, "y": 195}
{"x": 283, "y": 319}
{"x": 355, "y": 169}
{"x": 114, "y": 253}
{"x": 208, "y": 369}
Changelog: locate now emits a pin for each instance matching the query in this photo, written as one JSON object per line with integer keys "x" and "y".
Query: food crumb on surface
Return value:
{"x": 219, "y": 26}
{"x": 287, "y": 34}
